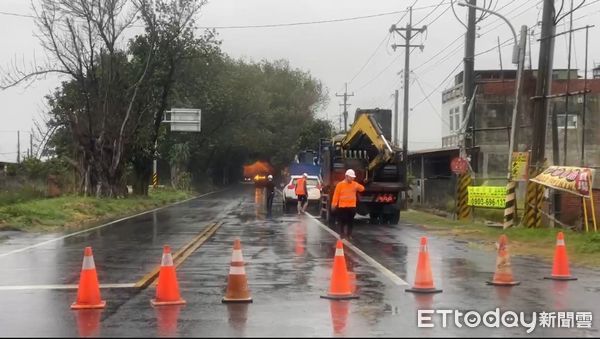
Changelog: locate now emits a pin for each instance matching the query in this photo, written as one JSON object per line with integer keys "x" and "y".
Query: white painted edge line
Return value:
{"x": 104, "y": 225}
{"x": 393, "y": 277}
{"x": 60, "y": 287}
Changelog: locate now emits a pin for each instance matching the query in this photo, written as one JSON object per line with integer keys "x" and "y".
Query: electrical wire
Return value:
{"x": 397, "y": 57}
{"x": 371, "y": 57}
{"x": 431, "y": 12}
{"x": 430, "y": 103}
{"x": 440, "y": 85}
{"x": 17, "y": 14}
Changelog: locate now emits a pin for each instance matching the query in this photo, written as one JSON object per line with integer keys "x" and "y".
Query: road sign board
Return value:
{"x": 487, "y": 196}
{"x": 520, "y": 166}
{"x": 459, "y": 165}
{"x": 184, "y": 119}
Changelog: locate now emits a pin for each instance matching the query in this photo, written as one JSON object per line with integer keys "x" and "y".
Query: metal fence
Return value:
{"x": 434, "y": 192}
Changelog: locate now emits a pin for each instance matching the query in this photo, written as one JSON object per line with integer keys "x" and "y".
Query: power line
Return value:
{"x": 440, "y": 85}
{"x": 394, "y": 60}
{"x": 371, "y": 57}
{"x": 16, "y": 14}
{"x": 430, "y": 103}
{"x": 379, "y": 74}
{"x": 440, "y": 52}
{"x": 428, "y": 14}
{"x": 414, "y": 9}
{"x": 451, "y": 53}
{"x": 275, "y": 25}
{"x": 439, "y": 16}
{"x": 303, "y": 23}
{"x": 455, "y": 68}
{"x": 315, "y": 22}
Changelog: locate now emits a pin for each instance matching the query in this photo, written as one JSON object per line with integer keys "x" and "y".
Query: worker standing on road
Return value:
{"x": 270, "y": 187}
{"x": 344, "y": 202}
{"x": 302, "y": 193}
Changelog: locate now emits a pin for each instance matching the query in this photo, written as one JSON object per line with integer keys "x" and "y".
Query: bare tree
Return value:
{"x": 82, "y": 41}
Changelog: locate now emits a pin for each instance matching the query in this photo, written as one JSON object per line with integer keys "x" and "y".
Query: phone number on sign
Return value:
{"x": 496, "y": 202}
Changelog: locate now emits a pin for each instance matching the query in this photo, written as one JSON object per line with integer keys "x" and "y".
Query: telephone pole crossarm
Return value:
{"x": 345, "y": 104}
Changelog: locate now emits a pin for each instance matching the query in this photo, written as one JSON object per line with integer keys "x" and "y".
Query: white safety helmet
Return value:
{"x": 351, "y": 173}
{"x": 270, "y": 177}
{"x": 305, "y": 175}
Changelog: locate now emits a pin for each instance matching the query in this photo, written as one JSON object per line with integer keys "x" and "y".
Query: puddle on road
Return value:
{"x": 167, "y": 320}
{"x": 237, "y": 316}
{"x": 88, "y": 322}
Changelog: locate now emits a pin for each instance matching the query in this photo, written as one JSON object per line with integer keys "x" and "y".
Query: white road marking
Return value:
{"x": 60, "y": 287}
{"x": 393, "y": 277}
{"x": 102, "y": 226}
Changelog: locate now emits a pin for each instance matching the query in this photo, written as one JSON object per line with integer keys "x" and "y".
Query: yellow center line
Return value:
{"x": 145, "y": 281}
{"x": 180, "y": 256}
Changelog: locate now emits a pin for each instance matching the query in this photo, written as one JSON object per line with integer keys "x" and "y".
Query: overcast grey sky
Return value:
{"x": 332, "y": 52}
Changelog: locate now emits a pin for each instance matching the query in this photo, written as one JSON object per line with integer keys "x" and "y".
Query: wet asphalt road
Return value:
{"x": 288, "y": 264}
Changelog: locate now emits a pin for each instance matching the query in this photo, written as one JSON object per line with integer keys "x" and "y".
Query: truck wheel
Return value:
{"x": 393, "y": 218}
{"x": 375, "y": 218}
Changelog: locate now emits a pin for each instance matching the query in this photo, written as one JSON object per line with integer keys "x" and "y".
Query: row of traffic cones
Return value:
{"x": 503, "y": 275}
{"x": 340, "y": 285}
{"x": 167, "y": 288}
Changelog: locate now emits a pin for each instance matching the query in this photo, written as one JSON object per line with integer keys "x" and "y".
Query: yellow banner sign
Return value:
{"x": 576, "y": 180}
{"x": 520, "y": 166}
{"x": 487, "y": 196}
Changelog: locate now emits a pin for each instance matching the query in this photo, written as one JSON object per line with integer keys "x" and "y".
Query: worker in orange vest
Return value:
{"x": 302, "y": 193}
{"x": 344, "y": 202}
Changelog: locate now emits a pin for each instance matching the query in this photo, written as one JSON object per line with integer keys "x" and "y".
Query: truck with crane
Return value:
{"x": 367, "y": 149}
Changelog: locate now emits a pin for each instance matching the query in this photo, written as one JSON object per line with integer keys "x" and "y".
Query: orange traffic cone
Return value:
{"x": 167, "y": 289}
{"x": 237, "y": 283}
{"x": 423, "y": 277}
{"x": 560, "y": 269}
{"x": 88, "y": 292}
{"x": 340, "y": 287}
{"x": 503, "y": 275}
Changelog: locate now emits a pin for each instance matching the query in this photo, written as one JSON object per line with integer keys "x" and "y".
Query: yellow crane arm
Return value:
{"x": 367, "y": 126}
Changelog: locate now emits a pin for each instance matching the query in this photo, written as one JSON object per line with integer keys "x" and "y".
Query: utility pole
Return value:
{"x": 396, "y": 117}
{"x": 543, "y": 82}
{"x": 31, "y": 145}
{"x": 407, "y": 46}
{"x": 566, "y": 128}
{"x": 510, "y": 211}
{"x": 465, "y": 180}
{"x": 18, "y": 147}
{"x": 345, "y": 104}
{"x": 468, "y": 73}
{"x": 582, "y": 158}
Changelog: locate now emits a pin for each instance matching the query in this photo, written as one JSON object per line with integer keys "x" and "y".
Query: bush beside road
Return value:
{"x": 583, "y": 248}
{"x": 74, "y": 212}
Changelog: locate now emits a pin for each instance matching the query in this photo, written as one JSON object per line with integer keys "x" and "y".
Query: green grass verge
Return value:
{"x": 73, "y": 212}
{"x": 583, "y": 248}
